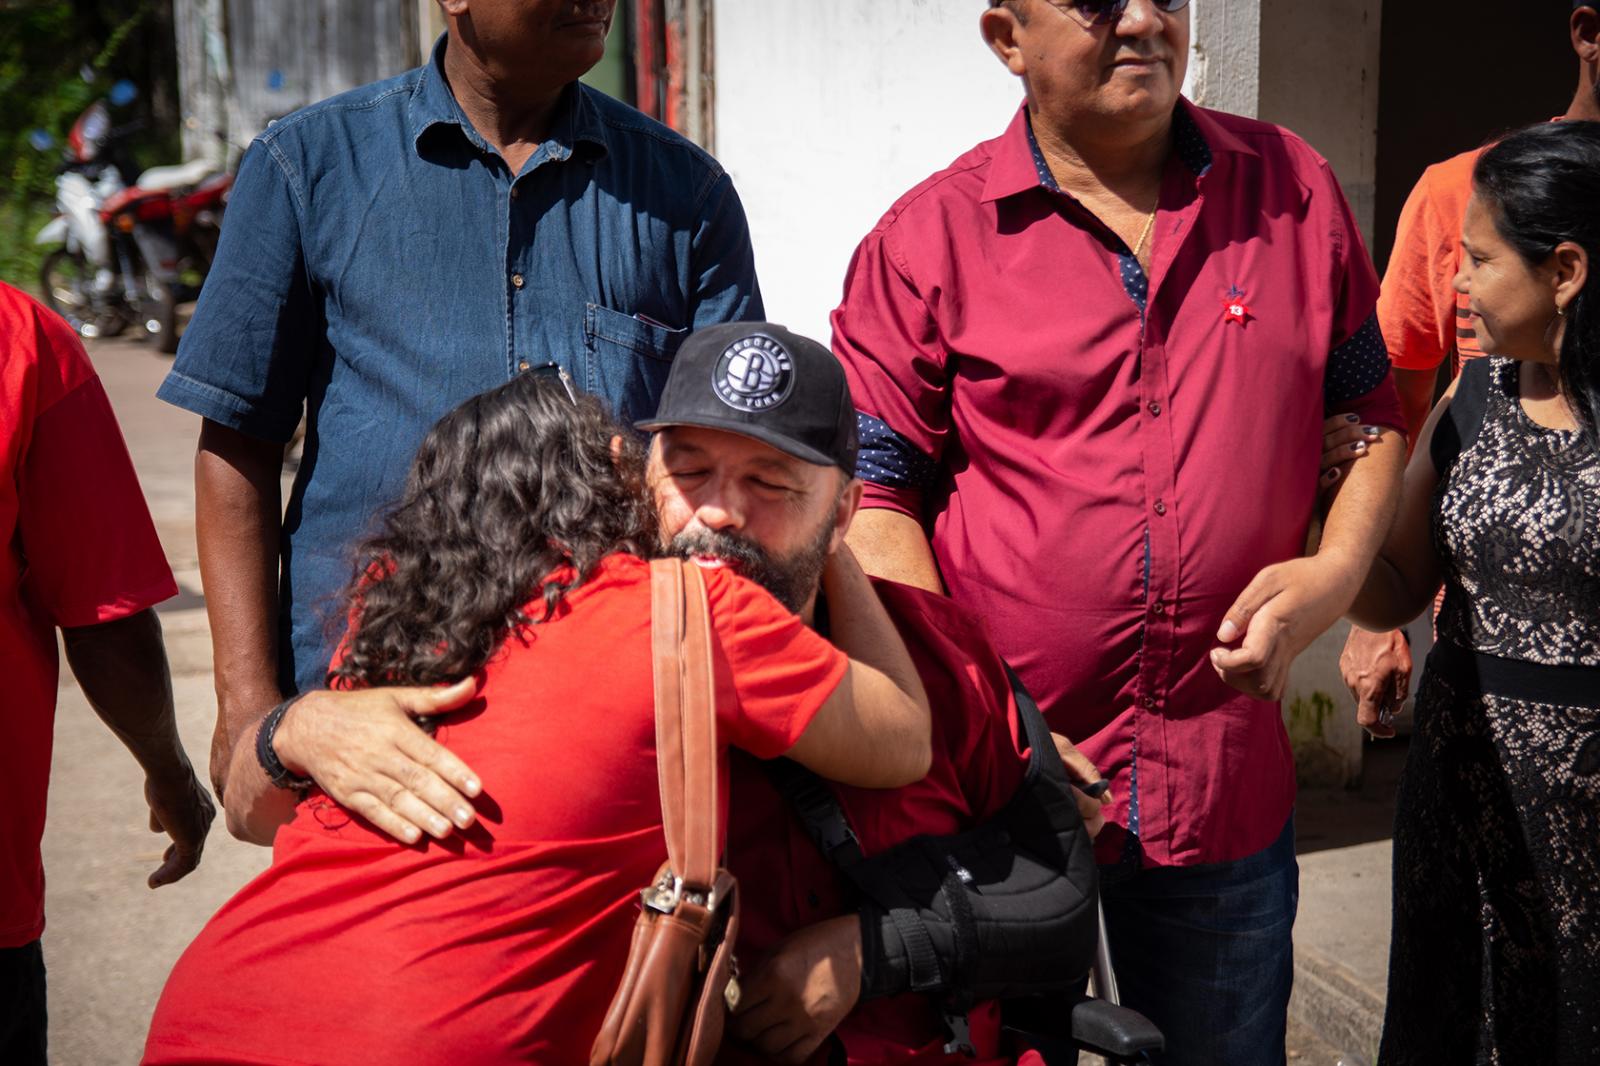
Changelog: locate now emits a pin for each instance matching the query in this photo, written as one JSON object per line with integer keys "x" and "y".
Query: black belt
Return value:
{"x": 1575, "y": 686}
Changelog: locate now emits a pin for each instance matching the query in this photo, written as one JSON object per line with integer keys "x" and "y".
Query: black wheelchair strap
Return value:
{"x": 814, "y": 803}
{"x": 932, "y": 925}
{"x": 1035, "y": 730}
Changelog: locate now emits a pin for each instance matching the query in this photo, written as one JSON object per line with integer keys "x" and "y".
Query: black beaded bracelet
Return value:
{"x": 267, "y": 755}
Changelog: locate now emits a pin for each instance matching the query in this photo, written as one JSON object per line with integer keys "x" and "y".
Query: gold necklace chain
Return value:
{"x": 1144, "y": 234}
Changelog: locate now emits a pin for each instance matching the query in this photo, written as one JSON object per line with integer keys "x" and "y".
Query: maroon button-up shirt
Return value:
{"x": 1105, "y": 459}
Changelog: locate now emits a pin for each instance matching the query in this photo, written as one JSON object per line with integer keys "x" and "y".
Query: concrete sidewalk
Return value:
{"x": 1342, "y": 933}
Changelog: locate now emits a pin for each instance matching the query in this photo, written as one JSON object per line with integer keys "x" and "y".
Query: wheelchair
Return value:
{"x": 1097, "y": 1024}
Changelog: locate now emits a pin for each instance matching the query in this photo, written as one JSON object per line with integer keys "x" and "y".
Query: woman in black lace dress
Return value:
{"x": 1496, "y": 949}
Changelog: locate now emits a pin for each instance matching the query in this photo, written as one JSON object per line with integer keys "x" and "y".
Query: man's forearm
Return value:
{"x": 893, "y": 546}
{"x": 1365, "y": 508}
{"x": 255, "y": 807}
{"x": 122, "y": 668}
{"x": 238, "y": 521}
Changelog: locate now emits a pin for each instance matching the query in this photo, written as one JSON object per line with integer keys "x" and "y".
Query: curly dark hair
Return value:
{"x": 506, "y": 490}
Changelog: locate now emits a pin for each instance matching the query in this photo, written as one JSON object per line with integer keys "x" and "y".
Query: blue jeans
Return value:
{"x": 1206, "y": 953}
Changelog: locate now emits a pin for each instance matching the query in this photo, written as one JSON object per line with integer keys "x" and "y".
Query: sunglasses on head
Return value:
{"x": 1104, "y": 12}
{"x": 556, "y": 373}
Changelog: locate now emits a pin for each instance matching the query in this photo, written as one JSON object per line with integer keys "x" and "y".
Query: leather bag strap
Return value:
{"x": 686, "y": 719}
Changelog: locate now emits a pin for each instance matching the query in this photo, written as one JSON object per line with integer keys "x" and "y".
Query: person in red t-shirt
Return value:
{"x": 747, "y": 470}
{"x": 81, "y": 555}
{"x": 515, "y": 555}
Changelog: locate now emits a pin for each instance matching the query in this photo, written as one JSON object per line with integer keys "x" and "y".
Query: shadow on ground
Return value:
{"x": 1328, "y": 818}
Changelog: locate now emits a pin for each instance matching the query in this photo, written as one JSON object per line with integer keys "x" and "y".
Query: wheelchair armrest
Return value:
{"x": 1113, "y": 1031}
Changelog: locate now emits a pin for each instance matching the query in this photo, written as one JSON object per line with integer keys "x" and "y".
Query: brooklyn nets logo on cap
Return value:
{"x": 755, "y": 373}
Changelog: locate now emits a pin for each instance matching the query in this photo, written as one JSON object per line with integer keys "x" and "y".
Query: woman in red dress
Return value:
{"x": 517, "y": 554}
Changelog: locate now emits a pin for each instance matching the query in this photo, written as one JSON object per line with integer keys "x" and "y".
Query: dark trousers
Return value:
{"x": 22, "y": 1010}
{"x": 1205, "y": 953}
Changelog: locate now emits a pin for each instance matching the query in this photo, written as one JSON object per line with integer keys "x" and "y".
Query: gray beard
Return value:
{"x": 792, "y": 581}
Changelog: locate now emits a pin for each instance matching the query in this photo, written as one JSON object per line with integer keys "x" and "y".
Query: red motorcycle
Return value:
{"x": 173, "y": 216}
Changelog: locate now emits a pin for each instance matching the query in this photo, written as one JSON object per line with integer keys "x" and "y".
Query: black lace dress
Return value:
{"x": 1496, "y": 949}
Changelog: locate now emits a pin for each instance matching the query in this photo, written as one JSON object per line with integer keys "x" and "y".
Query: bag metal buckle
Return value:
{"x": 664, "y": 896}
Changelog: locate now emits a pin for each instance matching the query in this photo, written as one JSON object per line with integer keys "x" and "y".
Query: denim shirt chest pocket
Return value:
{"x": 627, "y": 358}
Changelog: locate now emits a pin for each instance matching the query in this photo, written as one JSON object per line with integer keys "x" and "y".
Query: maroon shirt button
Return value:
{"x": 1160, "y": 508}
{"x": 1155, "y": 408}
{"x": 1158, "y": 607}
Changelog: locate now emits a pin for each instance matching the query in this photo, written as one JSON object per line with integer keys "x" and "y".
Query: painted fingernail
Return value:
{"x": 1332, "y": 475}
{"x": 1371, "y": 431}
{"x": 1359, "y": 446}
{"x": 1352, "y": 418}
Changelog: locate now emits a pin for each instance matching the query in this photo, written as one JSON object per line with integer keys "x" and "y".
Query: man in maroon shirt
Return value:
{"x": 1092, "y": 359}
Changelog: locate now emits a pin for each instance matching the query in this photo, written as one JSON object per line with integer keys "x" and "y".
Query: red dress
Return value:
{"x": 505, "y": 943}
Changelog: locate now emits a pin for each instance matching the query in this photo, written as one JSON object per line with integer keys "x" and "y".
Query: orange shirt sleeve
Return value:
{"x": 779, "y": 671}
{"x": 1417, "y": 307}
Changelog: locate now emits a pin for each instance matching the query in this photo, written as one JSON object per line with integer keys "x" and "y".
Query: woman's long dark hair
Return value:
{"x": 1543, "y": 187}
{"x": 506, "y": 490}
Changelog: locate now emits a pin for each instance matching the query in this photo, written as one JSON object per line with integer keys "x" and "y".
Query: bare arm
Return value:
{"x": 363, "y": 749}
{"x": 1361, "y": 515}
{"x": 1290, "y": 604}
{"x": 1405, "y": 576}
{"x": 238, "y": 521}
{"x": 875, "y": 730}
{"x": 892, "y": 545}
{"x": 122, "y": 668}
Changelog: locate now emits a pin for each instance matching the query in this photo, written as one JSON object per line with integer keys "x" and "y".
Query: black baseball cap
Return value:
{"x": 763, "y": 381}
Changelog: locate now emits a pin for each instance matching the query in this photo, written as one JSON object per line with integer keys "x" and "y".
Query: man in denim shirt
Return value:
{"x": 398, "y": 248}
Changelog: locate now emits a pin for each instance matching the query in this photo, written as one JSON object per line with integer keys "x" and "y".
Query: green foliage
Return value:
{"x": 56, "y": 57}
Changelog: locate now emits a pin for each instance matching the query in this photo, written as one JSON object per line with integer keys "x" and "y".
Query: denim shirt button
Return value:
{"x": 516, "y": 279}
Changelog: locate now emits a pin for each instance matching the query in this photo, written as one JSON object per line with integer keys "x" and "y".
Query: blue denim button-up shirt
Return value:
{"x": 381, "y": 263}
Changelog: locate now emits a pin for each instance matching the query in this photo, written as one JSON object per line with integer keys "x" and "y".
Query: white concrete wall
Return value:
{"x": 828, "y": 110}
{"x": 1225, "y": 55}
{"x": 1319, "y": 77}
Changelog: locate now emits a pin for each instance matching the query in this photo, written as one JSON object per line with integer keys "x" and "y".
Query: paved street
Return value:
{"x": 111, "y": 941}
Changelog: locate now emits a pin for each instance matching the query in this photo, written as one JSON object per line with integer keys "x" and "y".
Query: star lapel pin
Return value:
{"x": 1234, "y": 309}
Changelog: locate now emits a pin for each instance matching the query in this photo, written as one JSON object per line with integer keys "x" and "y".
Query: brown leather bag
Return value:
{"x": 680, "y": 982}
